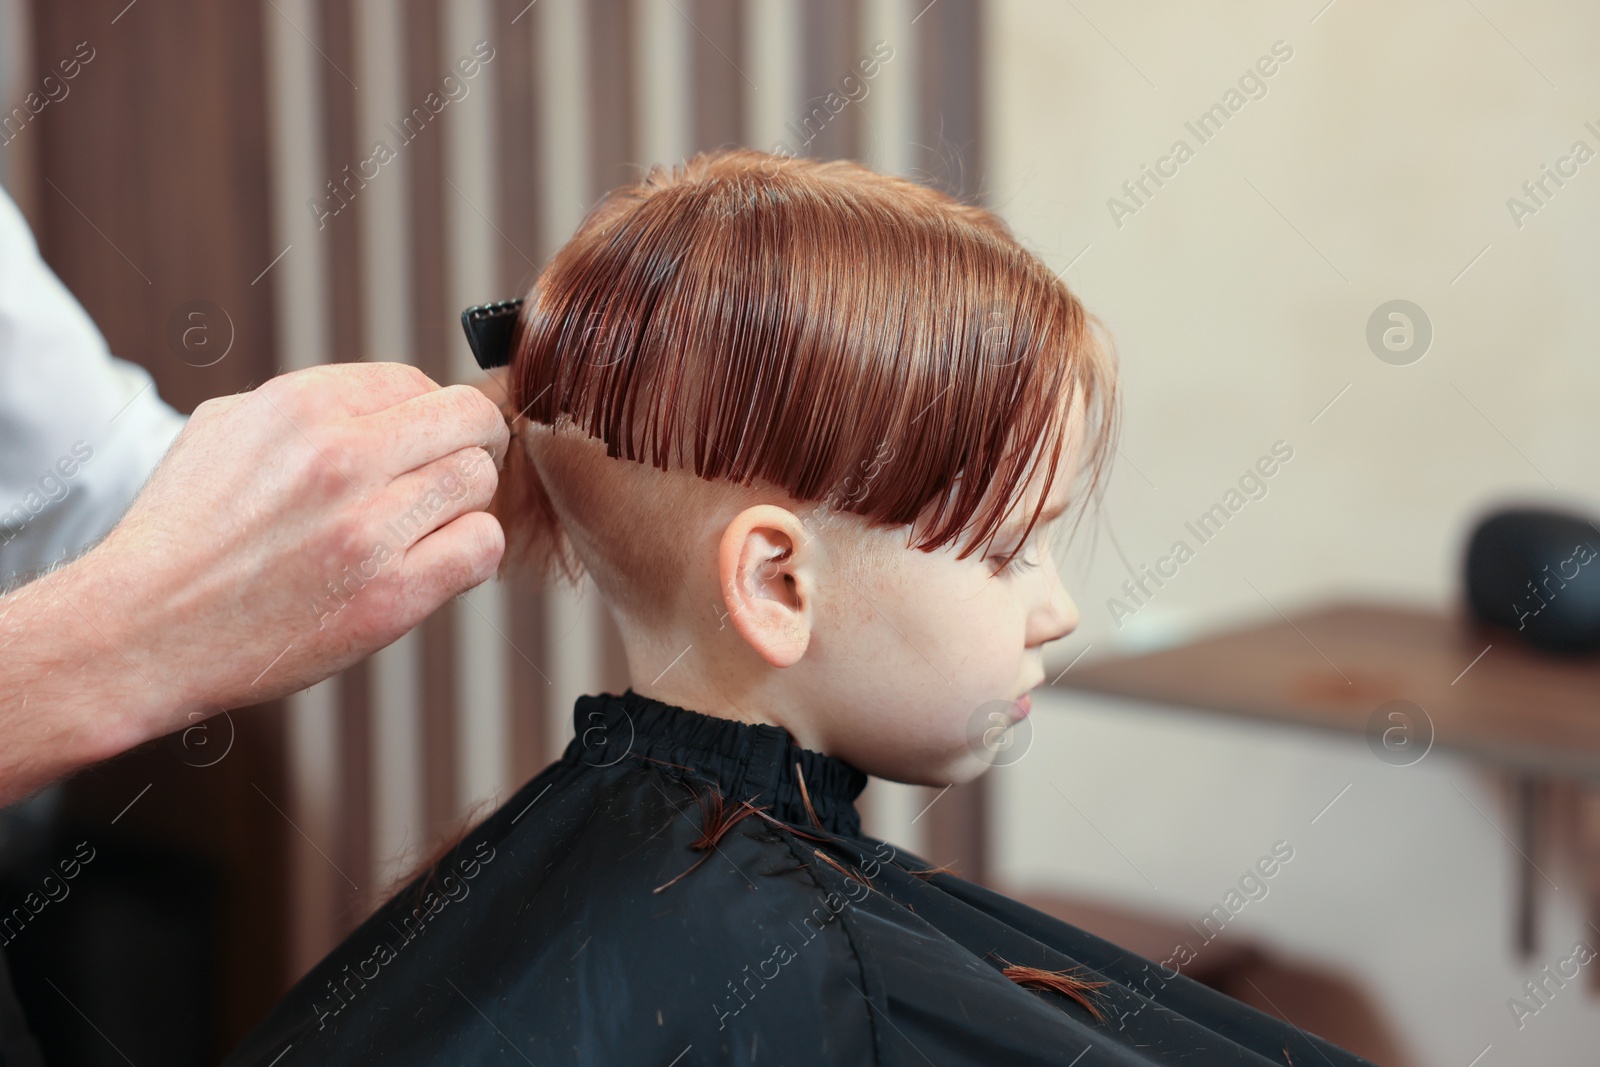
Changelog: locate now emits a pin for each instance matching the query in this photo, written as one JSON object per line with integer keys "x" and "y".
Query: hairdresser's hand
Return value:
{"x": 289, "y": 532}
{"x": 496, "y": 386}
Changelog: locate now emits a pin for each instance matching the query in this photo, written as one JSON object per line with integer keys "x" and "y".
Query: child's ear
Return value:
{"x": 767, "y": 572}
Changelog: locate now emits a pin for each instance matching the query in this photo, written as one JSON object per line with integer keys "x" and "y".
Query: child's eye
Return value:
{"x": 1019, "y": 563}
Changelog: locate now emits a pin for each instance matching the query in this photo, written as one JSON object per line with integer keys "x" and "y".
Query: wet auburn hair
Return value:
{"x": 761, "y": 318}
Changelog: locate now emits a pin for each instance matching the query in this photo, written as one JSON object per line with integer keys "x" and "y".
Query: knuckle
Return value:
{"x": 348, "y": 539}
{"x": 215, "y": 410}
{"x": 290, "y": 393}
{"x": 326, "y": 465}
{"x": 341, "y": 451}
{"x": 481, "y": 475}
{"x": 471, "y": 408}
{"x": 409, "y": 376}
{"x": 209, "y": 408}
{"x": 455, "y": 406}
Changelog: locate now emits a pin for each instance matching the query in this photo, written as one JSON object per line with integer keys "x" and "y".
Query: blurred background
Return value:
{"x": 323, "y": 182}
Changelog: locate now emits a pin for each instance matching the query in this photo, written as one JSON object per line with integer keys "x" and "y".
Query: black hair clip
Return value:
{"x": 489, "y": 328}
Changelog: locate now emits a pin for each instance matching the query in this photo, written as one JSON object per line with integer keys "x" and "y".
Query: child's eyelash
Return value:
{"x": 1018, "y": 564}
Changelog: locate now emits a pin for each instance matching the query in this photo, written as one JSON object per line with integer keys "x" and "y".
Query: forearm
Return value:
{"x": 72, "y": 689}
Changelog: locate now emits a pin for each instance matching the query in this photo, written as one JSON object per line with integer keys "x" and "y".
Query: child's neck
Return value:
{"x": 727, "y": 698}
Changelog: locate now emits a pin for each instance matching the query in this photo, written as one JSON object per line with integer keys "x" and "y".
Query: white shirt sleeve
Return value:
{"x": 80, "y": 430}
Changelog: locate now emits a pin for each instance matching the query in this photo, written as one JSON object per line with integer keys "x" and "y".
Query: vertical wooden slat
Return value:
{"x": 520, "y": 166}
{"x": 949, "y": 46}
{"x": 721, "y": 79}
{"x": 471, "y": 211}
{"x": 890, "y": 108}
{"x": 424, "y": 70}
{"x": 613, "y": 142}
{"x": 519, "y": 145}
{"x": 662, "y": 83}
{"x": 339, "y": 144}
{"x": 341, "y": 240}
{"x": 382, "y": 209}
{"x": 298, "y": 284}
{"x": 831, "y": 36}
{"x": 19, "y": 167}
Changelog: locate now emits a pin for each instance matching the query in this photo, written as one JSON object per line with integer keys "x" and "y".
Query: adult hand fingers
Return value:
{"x": 421, "y": 501}
{"x": 347, "y": 389}
{"x": 449, "y": 561}
{"x": 496, "y": 385}
{"x": 428, "y": 427}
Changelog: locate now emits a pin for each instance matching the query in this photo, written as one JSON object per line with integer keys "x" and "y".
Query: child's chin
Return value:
{"x": 961, "y": 770}
{"x": 971, "y": 768}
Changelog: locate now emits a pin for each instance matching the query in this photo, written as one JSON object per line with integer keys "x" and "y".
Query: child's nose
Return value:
{"x": 1058, "y": 616}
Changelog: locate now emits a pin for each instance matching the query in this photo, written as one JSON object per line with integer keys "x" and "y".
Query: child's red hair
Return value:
{"x": 765, "y": 319}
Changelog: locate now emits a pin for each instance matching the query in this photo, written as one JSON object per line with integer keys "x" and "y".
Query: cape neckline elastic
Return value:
{"x": 744, "y": 761}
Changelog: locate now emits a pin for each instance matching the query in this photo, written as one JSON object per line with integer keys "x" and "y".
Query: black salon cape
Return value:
{"x": 539, "y": 939}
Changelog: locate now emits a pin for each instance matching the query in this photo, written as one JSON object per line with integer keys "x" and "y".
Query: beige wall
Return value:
{"x": 1376, "y": 166}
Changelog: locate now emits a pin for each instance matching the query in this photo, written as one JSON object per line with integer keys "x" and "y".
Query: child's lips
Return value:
{"x": 1024, "y": 704}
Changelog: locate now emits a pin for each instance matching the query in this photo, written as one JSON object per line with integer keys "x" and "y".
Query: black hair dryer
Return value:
{"x": 1536, "y": 572}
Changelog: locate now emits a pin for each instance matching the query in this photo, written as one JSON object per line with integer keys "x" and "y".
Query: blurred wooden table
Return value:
{"x": 1407, "y": 680}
